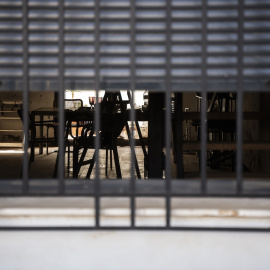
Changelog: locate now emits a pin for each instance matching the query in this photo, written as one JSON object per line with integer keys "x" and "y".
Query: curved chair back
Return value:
{"x": 73, "y": 103}
{"x": 112, "y": 127}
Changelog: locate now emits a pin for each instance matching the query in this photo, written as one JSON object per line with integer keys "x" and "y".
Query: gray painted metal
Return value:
{"x": 163, "y": 46}
{"x": 222, "y": 25}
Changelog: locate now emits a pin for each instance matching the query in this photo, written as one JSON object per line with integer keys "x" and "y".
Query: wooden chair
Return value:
{"x": 33, "y": 137}
{"x": 112, "y": 124}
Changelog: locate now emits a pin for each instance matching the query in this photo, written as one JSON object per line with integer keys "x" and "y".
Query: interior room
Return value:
{"x": 221, "y": 134}
{"x": 134, "y": 90}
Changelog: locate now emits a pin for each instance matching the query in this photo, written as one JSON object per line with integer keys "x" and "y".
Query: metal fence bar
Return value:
{"x": 132, "y": 180}
{"x": 140, "y": 228}
{"x": 97, "y": 117}
{"x": 203, "y": 134}
{"x": 26, "y": 159}
{"x": 61, "y": 97}
{"x": 239, "y": 101}
{"x": 133, "y": 45}
{"x": 132, "y": 88}
{"x": 168, "y": 116}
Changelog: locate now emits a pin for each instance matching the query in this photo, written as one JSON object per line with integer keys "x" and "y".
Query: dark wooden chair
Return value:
{"x": 113, "y": 120}
{"x": 111, "y": 127}
{"x": 33, "y": 134}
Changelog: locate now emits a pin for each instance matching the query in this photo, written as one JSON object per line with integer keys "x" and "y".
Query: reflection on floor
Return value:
{"x": 11, "y": 163}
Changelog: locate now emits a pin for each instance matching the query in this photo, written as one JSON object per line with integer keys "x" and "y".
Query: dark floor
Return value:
{"x": 11, "y": 163}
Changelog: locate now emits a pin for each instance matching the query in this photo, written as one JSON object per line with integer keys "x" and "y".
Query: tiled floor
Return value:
{"x": 43, "y": 167}
{"x": 11, "y": 164}
{"x": 124, "y": 159}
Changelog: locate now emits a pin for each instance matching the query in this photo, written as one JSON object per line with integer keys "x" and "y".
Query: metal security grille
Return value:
{"x": 162, "y": 46}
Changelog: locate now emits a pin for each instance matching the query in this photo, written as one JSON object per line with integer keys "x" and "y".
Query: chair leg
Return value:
{"x": 57, "y": 160}
{"x": 117, "y": 163}
{"x": 91, "y": 166}
{"x": 137, "y": 167}
{"x": 106, "y": 164}
{"x": 111, "y": 158}
{"x": 141, "y": 138}
{"x": 135, "y": 159}
{"x": 56, "y": 166}
{"x": 75, "y": 161}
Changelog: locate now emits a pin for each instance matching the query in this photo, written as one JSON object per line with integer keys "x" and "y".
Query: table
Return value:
{"x": 53, "y": 111}
{"x": 80, "y": 115}
{"x": 155, "y": 134}
{"x": 83, "y": 114}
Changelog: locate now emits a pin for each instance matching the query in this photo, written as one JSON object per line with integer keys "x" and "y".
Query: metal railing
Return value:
{"x": 163, "y": 46}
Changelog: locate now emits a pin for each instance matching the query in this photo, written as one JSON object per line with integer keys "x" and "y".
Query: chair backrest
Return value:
{"x": 112, "y": 127}
{"x": 73, "y": 104}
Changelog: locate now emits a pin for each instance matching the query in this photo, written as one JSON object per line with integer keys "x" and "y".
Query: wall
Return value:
{"x": 40, "y": 99}
{"x": 9, "y": 120}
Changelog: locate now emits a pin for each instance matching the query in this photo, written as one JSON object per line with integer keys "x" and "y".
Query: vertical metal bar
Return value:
{"x": 97, "y": 116}
{"x": 132, "y": 179}
{"x": 61, "y": 183}
{"x": 168, "y": 117}
{"x": 26, "y": 159}
{"x": 203, "y": 161}
{"x": 239, "y": 101}
{"x": 179, "y": 135}
{"x": 168, "y": 155}
{"x": 132, "y": 88}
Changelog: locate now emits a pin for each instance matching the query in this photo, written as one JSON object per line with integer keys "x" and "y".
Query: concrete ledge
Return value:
{"x": 185, "y": 212}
